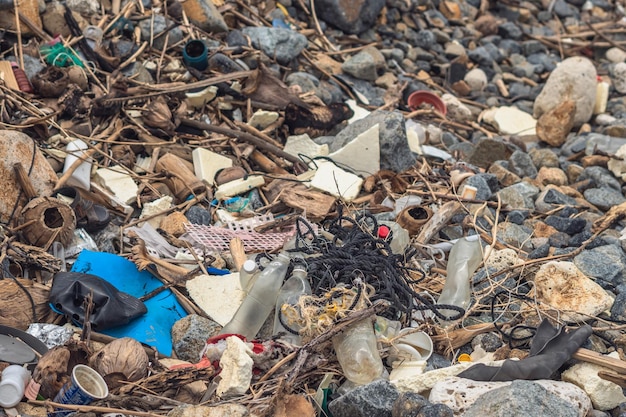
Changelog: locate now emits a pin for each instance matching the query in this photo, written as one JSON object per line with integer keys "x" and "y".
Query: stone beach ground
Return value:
{"x": 454, "y": 118}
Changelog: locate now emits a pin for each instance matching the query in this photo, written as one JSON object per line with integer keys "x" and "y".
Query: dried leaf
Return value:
{"x": 158, "y": 115}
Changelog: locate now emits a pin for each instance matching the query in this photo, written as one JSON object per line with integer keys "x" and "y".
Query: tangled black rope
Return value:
{"x": 356, "y": 252}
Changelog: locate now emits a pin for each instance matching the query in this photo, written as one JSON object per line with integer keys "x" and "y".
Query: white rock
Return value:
{"x": 219, "y": 296}
{"x": 604, "y": 395}
{"x": 513, "y": 121}
{"x": 421, "y": 383}
{"x": 222, "y": 410}
{"x": 460, "y": 393}
{"x": 575, "y": 79}
{"x": 154, "y": 207}
{"x": 198, "y": 99}
{"x": 236, "y": 365}
{"x": 118, "y": 182}
{"x": 604, "y": 119}
{"x": 456, "y": 110}
{"x": 619, "y": 77}
{"x": 362, "y": 154}
{"x": 262, "y": 119}
{"x": 207, "y": 163}
{"x": 335, "y": 181}
{"x": 618, "y": 165}
{"x": 476, "y": 79}
{"x": 563, "y": 286}
{"x": 303, "y": 145}
{"x": 500, "y": 259}
{"x": 615, "y": 55}
{"x": 455, "y": 48}
{"x": 84, "y": 7}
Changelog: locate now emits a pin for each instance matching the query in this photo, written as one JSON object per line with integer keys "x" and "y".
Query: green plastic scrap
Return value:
{"x": 59, "y": 55}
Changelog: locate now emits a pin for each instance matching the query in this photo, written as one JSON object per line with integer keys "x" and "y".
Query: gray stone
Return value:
{"x": 510, "y": 30}
{"x": 601, "y": 177}
{"x": 281, "y": 44}
{"x": 395, "y": 153}
{"x": 619, "y": 77}
{"x": 365, "y": 65}
{"x": 408, "y": 404}
{"x": 490, "y": 342}
{"x": 615, "y": 55}
{"x": 514, "y": 234}
{"x": 481, "y": 56}
{"x": 605, "y": 263}
{"x": 604, "y": 198}
{"x": 488, "y": 151}
{"x": 189, "y": 336}
{"x": 160, "y": 25}
{"x": 521, "y": 398}
{"x": 517, "y": 216}
{"x": 618, "y": 310}
{"x": 425, "y": 39}
{"x": 355, "y": 16}
{"x": 521, "y": 164}
{"x": 519, "y": 196}
{"x": 571, "y": 226}
{"x": 198, "y": 215}
{"x": 480, "y": 182}
{"x": 435, "y": 410}
{"x": 476, "y": 79}
{"x": 304, "y": 80}
{"x": 575, "y": 79}
{"x": 372, "y": 400}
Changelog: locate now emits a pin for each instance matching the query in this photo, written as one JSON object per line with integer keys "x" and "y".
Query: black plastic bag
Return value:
{"x": 111, "y": 307}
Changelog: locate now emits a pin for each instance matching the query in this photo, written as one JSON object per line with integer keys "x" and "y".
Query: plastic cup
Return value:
{"x": 85, "y": 386}
{"x": 14, "y": 381}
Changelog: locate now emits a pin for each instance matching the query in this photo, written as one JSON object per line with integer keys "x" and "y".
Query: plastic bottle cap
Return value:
{"x": 249, "y": 266}
{"x": 383, "y": 231}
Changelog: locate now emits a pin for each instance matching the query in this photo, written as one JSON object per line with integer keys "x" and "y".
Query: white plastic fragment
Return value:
{"x": 198, "y": 99}
{"x": 262, "y": 119}
{"x": 219, "y": 296}
{"x": 337, "y": 182}
{"x": 82, "y": 175}
{"x": 303, "y": 145}
{"x": 206, "y": 164}
{"x": 121, "y": 184}
{"x": 362, "y": 154}
{"x": 239, "y": 186}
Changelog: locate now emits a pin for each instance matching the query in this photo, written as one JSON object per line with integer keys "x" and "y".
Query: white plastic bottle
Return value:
{"x": 397, "y": 237}
{"x": 464, "y": 258}
{"x": 14, "y": 381}
{"x": 357, "y": 353}
{"x": 260, "y": 301}
{"x": 82, "y": 176}
{"x": 296, "y": 286}
{"x": 247, "y": 274}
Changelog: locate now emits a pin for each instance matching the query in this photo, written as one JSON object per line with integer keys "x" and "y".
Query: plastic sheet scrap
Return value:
{"x": 154, "y": 327}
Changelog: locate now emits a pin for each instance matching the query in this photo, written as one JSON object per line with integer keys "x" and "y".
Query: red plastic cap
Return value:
{"x": 383, "y": 231}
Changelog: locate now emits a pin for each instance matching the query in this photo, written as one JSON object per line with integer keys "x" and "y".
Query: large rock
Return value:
{"x": 574, "y": 79}
{"x": 189, "y": 336}
{"x": 554, "y": 125}
{"x": 351, "y": 16}
{"x": 604, "y": 394}
{"x": 205, "y": 15}
{"x": 17, "y": 147}
{"x": 372, "y": 400}
{"x": 365, "y": 65}
{"x": 488, "y": 151}
{"x": 522, "y": 398}
{"x": 395, "y": 153}
{"x": 279, "y": 43}
{"x": 563, "y": 286}
{"x": 460, "y": 394}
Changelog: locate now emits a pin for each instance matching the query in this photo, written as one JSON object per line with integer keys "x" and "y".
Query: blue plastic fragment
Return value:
{"x": 154, "y": 327}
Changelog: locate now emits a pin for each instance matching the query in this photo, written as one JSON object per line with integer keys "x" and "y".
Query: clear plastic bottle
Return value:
{"x": 247, "y": 274}
{"x": 464, "y": 258}
{"x": 260, "y": 301}
{"x": 296, "y": 286}
{"x": 397, "y": 236}
{"x": 357, "y": 353}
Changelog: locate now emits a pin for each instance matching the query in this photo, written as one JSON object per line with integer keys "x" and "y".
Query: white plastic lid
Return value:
{"x": 249, "y": 266}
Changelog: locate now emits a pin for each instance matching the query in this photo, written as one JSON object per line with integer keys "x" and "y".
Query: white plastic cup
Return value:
{"x": 12, "y": 386}
{"x": 85, "y": 386}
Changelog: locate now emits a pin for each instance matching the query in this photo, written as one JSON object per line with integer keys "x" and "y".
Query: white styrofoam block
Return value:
{"x": 262, "y": 119}
{"x": 362, "y": 154}
{"x": 154, "y": 207}
{"x": 239, "y": 186}
{"x": 335, "y": 181}
{"x": 236, "y": 365}
{"x": 121, "y": 184}
{"x": 303, "y": 145}
{"x": 219, "y": 296}
{"x": 207, "y": 163}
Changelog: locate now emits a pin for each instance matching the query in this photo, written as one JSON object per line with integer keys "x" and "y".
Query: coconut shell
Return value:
{"x": 123, "y": 356}
{"x": 16, "y": 309}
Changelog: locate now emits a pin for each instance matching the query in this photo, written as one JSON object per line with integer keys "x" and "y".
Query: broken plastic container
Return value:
{"x": 82, "y": 176}
{"x": 260, "y": 301}
{"x": 357, "y": 353}
{"x": 465, "y": 256}
{"x": 294, "y": 288}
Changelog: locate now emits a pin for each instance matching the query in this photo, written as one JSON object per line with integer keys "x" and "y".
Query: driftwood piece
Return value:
{"x": 165, "y": 380}
{"x": 315, "y": 204}
{"x": 179, "y": 179}
{"x": 16, "y": 309}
